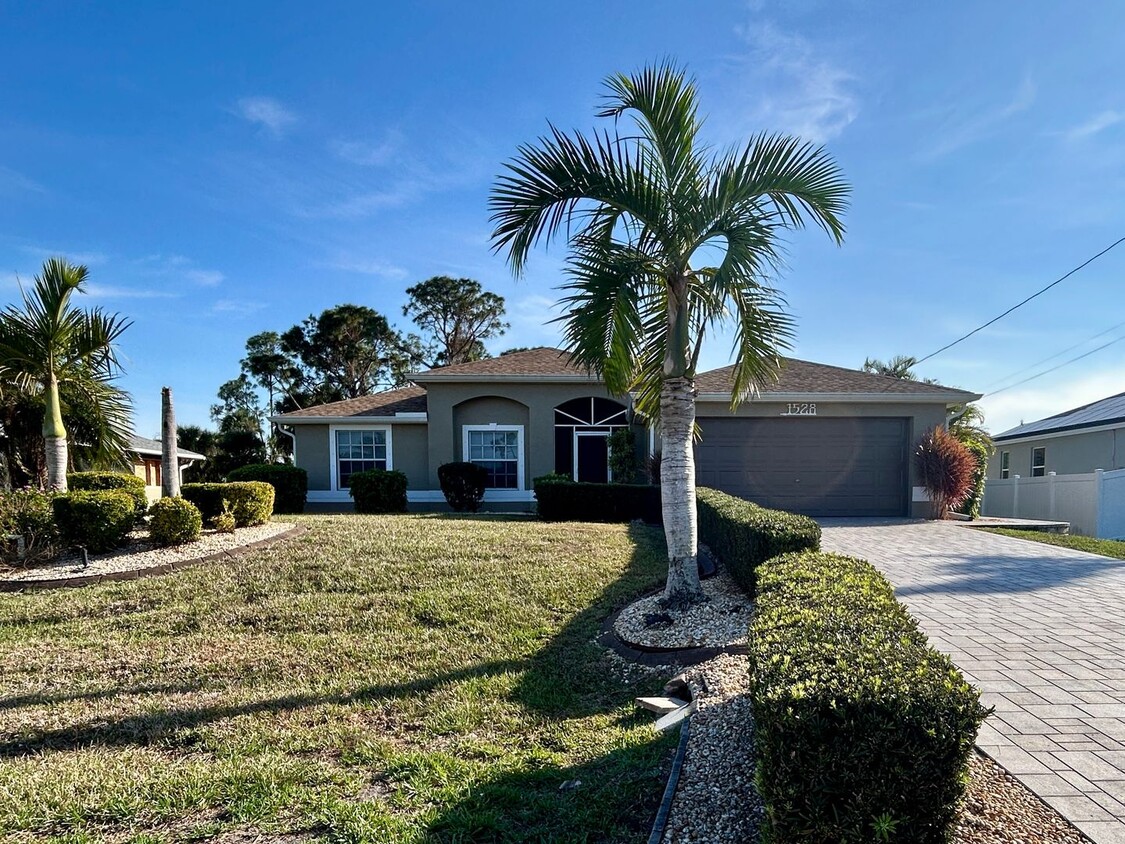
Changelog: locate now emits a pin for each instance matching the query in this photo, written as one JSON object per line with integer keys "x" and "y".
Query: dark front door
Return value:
{"x": 592, "y": 458}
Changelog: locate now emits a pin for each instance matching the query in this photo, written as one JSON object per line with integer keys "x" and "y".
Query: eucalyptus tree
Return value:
{"x": 666, "y": 239}
{"x": 61, "y": 356}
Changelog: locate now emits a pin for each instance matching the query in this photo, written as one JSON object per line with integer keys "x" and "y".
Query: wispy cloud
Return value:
{"x": 238, "y": 307}
{"x": 963, "y": 130}
{"x": 11, "y": 182}
{"x": 89, "y": 259}
{"x": 369, "y": 153}
{"x": 368, "y": 266}
{"x": 791, "y": 85}
{"x": 115, "y": 291}
{"x": 1095, "y": 125}
{"x": 205, "y": 278}
{"x": 266, "y": 112}
{"x": 178, "y": 267}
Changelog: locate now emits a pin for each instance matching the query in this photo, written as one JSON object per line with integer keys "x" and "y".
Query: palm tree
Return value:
{"x": 64, "y": 356}
{"x": 642, "y": 212}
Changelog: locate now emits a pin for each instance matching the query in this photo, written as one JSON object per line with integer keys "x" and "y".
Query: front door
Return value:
{"x": 591, "y": 457}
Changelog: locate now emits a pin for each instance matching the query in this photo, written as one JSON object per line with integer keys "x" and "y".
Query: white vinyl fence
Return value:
{"x": 1094, "y": 504}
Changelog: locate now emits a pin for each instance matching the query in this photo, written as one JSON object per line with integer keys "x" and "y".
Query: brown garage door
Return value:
{"x": 822, "y": 467}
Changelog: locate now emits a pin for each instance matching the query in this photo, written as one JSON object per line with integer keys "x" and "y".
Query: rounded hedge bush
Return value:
{"x": 99, "y": 520}
{"x": 290, "y": 484}
{"x": 463, "y": 485}
{"x": 97, "y": 481}
{"x": 174, "y": 521}
{"x": 378, "y": 491}
{"x": 250, "y": 502}
{"x": 27, "y": 513}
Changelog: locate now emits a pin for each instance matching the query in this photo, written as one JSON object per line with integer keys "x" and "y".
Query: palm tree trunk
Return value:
{"x": 54, "y": 438}
{"x": 169, "y": 453}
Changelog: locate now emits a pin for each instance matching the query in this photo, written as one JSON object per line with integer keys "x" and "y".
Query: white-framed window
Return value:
{"x": 1038, "y": 462}
{"x": 499, "y": 449}
{"x": 358, "y": 449}
{"x": 1005, "y": 465}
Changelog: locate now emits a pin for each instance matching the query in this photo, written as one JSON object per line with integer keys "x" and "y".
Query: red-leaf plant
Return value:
{"x": 945, "y": 469}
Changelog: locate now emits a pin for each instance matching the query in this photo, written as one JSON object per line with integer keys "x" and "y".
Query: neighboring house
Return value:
{"x": 1076, "y": 442}
{"x": 146, "y": 463}
{"x": 823, "y": 440}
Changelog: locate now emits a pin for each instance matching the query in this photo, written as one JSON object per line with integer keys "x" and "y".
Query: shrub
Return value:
{"x": 744, "y": 535}
{"x": 224, "y": 522}
{"x": 972, "y": 503}
{"x": 97, "y": 519}
{"x": 623, "y": 456}
{"x": 862, "y": 729}
{"x": 463, "y": 485}
{"x": 562, "y": 500}
{"x": 174, "y": 521}
{"x": 250, "y": 502}
{"x": 945, "y": 469}
{"x": 290, "y": 484}
{"x": 378, "y": 491}
{"x": 94, "y": 481}
{"x": 27, "y": 513}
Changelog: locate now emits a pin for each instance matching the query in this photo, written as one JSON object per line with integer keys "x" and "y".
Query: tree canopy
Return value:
{"x": 456, "y": 316}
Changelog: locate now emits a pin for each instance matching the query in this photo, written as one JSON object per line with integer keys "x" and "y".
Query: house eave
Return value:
{"x": 412, "y": 419}
{"x": 840, "y": 398}
{"x": 422, "y": 377}
{"x": 1054, "y": 433}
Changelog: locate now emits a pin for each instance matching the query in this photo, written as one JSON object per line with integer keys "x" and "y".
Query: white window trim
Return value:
{"x": 1005, "y": 471}
{"x": 465, "y": 429}
{"x": 1042, "y": 465}
{"x": 334, "y": 464}
{"x": 580, "y": 433}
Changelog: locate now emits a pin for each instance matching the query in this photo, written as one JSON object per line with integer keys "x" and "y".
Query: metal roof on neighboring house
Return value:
{"x": 143, "y": 445}
{"x": 1107, "y": 411}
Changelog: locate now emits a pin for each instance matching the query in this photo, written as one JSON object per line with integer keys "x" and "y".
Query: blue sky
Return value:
{"x": 229, "y": 169}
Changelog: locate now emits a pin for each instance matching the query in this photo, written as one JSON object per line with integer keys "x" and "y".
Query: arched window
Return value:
{"x": 582, "y": 429}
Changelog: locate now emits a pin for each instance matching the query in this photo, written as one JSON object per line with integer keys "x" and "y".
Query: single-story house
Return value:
{"x": 823, "y": 440}
{"x": 146, "y": 453}
{"x": 1076, "y": 442}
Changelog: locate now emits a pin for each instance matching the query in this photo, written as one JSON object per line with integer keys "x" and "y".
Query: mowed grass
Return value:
{"x": 1106, "y": 547}
{"x": 378, "y": 679}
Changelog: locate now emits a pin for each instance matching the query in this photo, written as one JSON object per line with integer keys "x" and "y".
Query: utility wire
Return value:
{"x": 1018, "y": 305}
{"x": 1056, "y": 368}
{"x": 1050, "y": 358}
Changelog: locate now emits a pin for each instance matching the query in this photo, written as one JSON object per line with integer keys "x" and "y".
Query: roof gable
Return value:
{"x": 143, "y": 445}
{"x": 1107, "y": 411}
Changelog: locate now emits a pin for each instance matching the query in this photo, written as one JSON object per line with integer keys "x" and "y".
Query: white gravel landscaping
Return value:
{"x": 140, "y": 554}
{"x": 722, "y": 620}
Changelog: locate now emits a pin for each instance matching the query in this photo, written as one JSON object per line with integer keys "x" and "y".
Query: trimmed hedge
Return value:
{"x": 94, "y": 481}
{"x": 98, "y": 519}
{"x": 463, "y": 485}
{"x": 290, "y": 484}
{"x": 563, "y": 500}
{"x": 378, "y": 491}
{"x": 862, "y": 730}
{"x": 174, "y": 521}
{"x": 27, "y": 513}
{"x": 744, "y": 535}
{"x": 250, "y": 502}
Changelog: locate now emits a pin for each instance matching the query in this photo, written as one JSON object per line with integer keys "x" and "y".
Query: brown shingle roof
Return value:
{"x": 540, "y": 361}
{"x": 404, "y": 400}
{"x": 802, "y": 376}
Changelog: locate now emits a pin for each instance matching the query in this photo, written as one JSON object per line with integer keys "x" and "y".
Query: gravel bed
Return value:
{"x": 723, "y": 619}
{"x": 140, "y": 553}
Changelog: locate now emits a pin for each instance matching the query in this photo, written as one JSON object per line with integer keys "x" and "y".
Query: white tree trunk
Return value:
{"x": 56, "y": 463}
{"x": 169, "y": 454}
{"x": 677, "y": 482}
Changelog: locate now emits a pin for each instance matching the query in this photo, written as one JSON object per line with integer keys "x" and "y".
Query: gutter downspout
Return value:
{"x": 289, "y": 432}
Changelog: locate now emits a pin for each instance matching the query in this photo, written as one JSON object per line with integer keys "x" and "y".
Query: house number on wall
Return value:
{"x": 800, "y": 409}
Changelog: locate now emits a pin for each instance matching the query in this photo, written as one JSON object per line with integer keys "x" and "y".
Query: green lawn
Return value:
{"x": 1106, "y": 547}
{"x": 379, "y": 679}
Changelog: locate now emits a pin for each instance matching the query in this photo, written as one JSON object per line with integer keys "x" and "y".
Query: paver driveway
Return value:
{"x": 1041, "y": 630}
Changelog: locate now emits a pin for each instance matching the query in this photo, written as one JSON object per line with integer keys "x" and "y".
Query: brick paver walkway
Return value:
{"x": 1041, "y": 630}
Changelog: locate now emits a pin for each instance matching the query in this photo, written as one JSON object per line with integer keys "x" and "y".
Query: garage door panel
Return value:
{"x": 828, "y": 466}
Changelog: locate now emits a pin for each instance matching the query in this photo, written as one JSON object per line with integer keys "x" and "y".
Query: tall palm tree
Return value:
{"x": 61, "y": 354}
{"x": 666, "y": 238}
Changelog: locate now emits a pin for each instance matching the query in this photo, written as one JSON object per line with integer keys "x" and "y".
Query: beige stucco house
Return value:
{"x": 823, "y": 440}
{"x": 145, "y": 455}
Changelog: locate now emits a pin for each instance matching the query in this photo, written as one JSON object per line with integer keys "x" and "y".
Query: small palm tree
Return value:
{"x": 51, "y": 350}
{"x": 643, "y": 213}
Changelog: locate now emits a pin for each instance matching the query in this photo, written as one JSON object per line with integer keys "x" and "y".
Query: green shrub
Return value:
{"x": 174, "y": 521}
{"x": 562, "y": 500}
{"x": 27, "y": 513}
{"x": 744, "y": 535}
{"x": 250, "y": 502}
{"x": 290, "y": 484}
{"x": 971, "y": 505}
{"x": 623, "y": 463}
{"x": 378, "y": 491}
{"x": 224, "y": 522}
{"x": 859, "y": 725}
{"x": 463, "y": 485}
{"x": 97, "y": 519}
{"x": 94, "y": 481}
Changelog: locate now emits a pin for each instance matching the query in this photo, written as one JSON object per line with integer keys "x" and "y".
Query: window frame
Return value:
{"x": 1005, "y": 465}
{"x": 334, "y": 462}
{"x": 1041, "y": 467}
{"x": 467, "y": 429}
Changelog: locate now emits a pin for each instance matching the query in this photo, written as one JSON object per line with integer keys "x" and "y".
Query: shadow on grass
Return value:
{"x": 564, "y": 679}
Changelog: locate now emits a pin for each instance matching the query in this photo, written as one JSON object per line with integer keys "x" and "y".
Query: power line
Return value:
{"x": 1050, "y": 358}
{"x": 1018, "y": 305}
{"x": 1056, "y": 368}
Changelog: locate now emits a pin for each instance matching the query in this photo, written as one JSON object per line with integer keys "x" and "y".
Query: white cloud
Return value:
{"x": 1051, "y": 395}
{"x": 369, "y": 266}
{"x": 239, "y": 307}
{"x": 11, "y": 181}
{"x": 89, "y": 259}
{"x": 205, "y": 278}
{"x": 1095, "y": 125}
{"x": 963, "y": 131}
{"x": 115, "y": 291}
{"x": 792, "y": 86}
{"x": 267, "y": 112}
{"x": 368, "y": 154}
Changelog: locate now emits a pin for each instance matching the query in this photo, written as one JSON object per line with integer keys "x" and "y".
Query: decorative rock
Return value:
{"x": 720, "y": 620}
